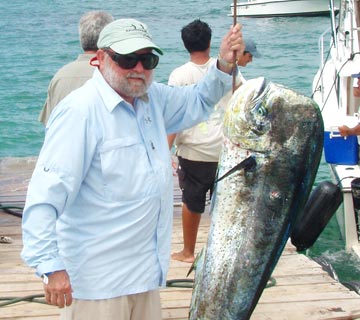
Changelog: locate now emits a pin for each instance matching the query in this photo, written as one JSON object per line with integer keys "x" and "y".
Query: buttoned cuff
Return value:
{"x": 50, "y": 266}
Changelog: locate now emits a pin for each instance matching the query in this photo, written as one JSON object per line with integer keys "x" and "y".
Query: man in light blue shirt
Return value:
{"x": 98, "y": 215}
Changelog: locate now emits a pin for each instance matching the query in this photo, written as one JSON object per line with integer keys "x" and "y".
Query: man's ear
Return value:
{"x": 100, "y": 55}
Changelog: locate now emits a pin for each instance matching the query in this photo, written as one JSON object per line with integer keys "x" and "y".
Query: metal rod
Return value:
{"x": 234, "y": 54}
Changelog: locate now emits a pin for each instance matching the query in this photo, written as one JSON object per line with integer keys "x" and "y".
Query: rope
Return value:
{"x": 180, "y": 283}
{"x": 10, "y": 209}
{"x": 185, "y": 283}
{"x": 175, "y": 283}
{"x": 3, "y": 207}
{"x": 13, "y": 300}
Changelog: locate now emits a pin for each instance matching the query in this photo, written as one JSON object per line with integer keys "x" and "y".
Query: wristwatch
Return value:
{"x": 45, "y": 277}
{"x": 224, "y": 63}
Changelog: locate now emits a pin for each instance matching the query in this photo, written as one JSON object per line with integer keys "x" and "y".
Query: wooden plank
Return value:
{"x": 303, "y": 289}
{"x": 28, "y": 310}
{"x": 322, "y": 309}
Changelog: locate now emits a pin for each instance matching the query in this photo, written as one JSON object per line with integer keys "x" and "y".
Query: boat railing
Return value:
{"x": 322, "y": 59}
{"x": 343, "y": 46}
{"x": 348, "y": 31}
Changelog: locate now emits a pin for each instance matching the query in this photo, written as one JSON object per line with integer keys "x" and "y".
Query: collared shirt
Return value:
{"x": 70, "y": 77}
{"x": 99, "y": 203}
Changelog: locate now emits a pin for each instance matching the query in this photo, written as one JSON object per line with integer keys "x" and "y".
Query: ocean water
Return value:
{"x": 38, "y": 37}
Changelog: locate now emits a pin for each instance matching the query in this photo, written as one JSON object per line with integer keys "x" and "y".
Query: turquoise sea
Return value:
{"x": 38, "y": 37}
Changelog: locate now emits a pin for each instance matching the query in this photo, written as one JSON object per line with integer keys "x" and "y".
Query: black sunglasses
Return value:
{"x": 129, "y": 61}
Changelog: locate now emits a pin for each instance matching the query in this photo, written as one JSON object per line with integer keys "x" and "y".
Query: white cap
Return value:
{"x": 126, "y": 36}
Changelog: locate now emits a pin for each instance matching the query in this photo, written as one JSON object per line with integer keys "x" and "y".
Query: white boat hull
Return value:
{"x": 276, "y": 8}
{"x": 333, "y": 91}
{"x": 346, "y": 217}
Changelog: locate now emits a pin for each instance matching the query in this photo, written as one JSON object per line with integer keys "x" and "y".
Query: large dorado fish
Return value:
{"x": 279, "y": 133}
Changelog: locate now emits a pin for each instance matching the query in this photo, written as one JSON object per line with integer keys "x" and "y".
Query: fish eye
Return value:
{"x": 260, "y": 109}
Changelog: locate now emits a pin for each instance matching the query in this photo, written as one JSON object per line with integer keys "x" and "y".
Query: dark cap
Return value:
{"x": 355, "y": 75}
{"x": 250, "y": 46}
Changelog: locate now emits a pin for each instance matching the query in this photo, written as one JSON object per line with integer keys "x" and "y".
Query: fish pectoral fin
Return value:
{"x": 247, "y": 164}
{"x": 191, "y": 269}
{"x": 197, "y": 262}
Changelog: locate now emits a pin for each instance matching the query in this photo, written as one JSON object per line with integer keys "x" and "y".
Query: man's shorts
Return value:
{"x": 196, "y": 178}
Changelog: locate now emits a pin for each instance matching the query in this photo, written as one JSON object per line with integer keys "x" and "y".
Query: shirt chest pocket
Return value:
{"x": 126, "y": 169}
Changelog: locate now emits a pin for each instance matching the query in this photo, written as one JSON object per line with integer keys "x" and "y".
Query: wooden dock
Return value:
{"x": 303, "y": 290}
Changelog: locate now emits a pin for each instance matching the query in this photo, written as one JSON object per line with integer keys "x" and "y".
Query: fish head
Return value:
{"x": 265, "y": 117}
{"x": 248, "y": 115}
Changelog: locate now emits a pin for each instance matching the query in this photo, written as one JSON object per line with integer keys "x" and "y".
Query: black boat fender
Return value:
{"x": 323, "y": 202}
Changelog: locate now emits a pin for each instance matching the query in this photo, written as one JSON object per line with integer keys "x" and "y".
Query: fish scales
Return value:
{"x": 252, "y": 211}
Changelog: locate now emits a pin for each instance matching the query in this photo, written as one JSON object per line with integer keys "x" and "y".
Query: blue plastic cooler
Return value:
{"x": 340, "y": 150}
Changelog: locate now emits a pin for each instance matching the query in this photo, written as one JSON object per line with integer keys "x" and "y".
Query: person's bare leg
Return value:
{"x": 190, "y": 224}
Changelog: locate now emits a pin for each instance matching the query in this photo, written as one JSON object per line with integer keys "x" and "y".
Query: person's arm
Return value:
{"x": 356, "y": 90}
{"x": 171, "y": 138}
{"x": 59, "y": 172}
{"x": 346, "y": 131}
{"x": 177, "y": 78}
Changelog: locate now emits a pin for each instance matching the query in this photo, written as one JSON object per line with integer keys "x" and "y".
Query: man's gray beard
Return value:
{"x": 121, "y": 84}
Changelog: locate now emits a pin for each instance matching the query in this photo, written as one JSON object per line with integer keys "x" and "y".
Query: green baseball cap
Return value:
{"x": 126, "y": 36}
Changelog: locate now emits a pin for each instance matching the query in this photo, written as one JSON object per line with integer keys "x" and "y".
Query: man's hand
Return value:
{"x": 232, "y": 42}
{"x": 58, "y": 289}
{"x": 344, "y": 131}
{"x": 356, "y": 90}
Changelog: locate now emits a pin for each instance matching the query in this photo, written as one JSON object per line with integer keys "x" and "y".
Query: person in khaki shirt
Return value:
{"x": 74, "y": 74}
{"x": 198, "y": 148}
